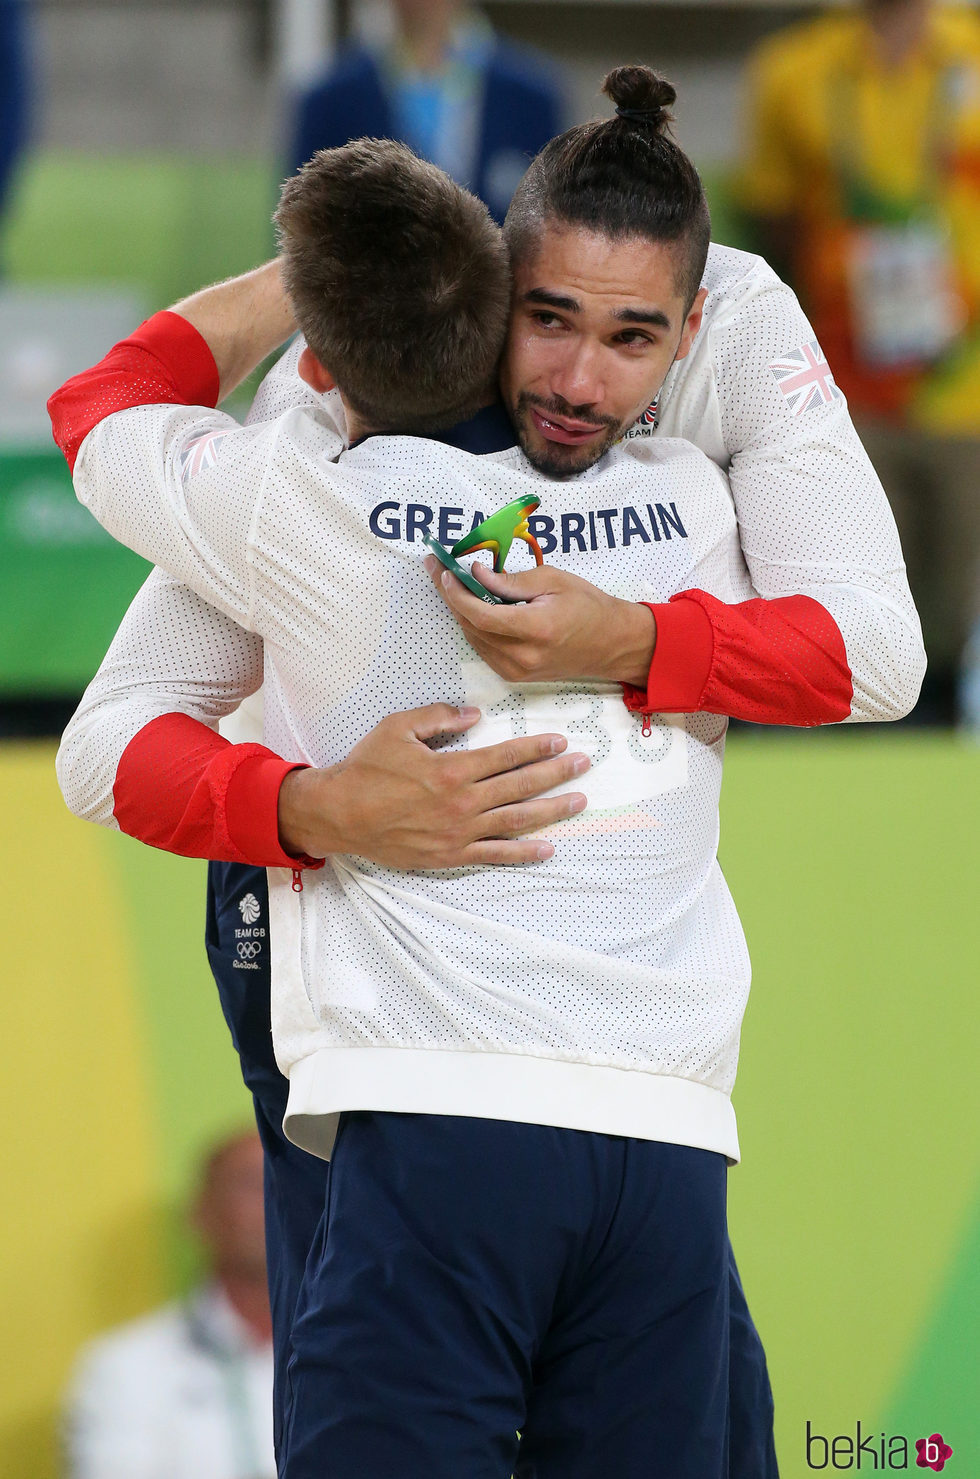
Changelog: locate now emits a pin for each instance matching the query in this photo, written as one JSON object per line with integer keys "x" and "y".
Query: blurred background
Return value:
{"x": 141, "y": 146}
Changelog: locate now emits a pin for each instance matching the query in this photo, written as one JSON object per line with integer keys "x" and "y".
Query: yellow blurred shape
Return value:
{"x": 80, "y": 1158}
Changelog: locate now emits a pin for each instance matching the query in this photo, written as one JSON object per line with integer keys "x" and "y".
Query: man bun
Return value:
{"x": 622, "y": 177}
{"x": 640, "y": 95}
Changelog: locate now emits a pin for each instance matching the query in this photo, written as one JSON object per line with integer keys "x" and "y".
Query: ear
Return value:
{"x": 692, "y": 323}
{"x": 317, "y": 376}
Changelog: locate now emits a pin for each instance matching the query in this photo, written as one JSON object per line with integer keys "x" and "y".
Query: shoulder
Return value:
{"x": 283, "y": 390}
{"x": 524, "y": 70}
{"x": 957, "y": 30}
{"x": 748, "y": 302}
{"x": 724, "y": 391}
{"x": 311, "y": 432}
{"x": 736, "y": 280}
{"x": 824, "y": 35}
{"x": 353, "y": 68}
{"x": 806, "y": 47}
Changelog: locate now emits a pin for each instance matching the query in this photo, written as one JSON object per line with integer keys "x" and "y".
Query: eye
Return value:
{"x": 634, "y": 338}
{"x": 545, "y": 319}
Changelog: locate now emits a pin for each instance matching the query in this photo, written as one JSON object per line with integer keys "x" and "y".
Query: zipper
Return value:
{"x": 646, "y": 731}
{"x": 304, "y": 948}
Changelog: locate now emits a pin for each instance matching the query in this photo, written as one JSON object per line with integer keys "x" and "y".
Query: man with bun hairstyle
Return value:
{"x": 633, "y": 334}
{"x": 605, "y": 210}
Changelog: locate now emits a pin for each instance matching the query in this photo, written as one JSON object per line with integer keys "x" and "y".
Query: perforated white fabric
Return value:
{"x": 813, "y": 517}
{"x": 173, "y": 651}
{"x": 624, "y": 950}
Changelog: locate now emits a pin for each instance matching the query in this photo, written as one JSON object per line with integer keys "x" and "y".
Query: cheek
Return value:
{"x": 644, "y": 384}
{"x": 630, "y": 393}
{"x": 528, "y": 361}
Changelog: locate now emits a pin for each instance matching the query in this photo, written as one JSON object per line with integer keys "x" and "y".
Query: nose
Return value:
{"x": 578, "y": 378}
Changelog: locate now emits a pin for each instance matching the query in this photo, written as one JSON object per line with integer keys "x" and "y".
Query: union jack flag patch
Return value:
{"x": 646, "y": 423}
{"x": 198, "y": 455}
{"x": 805, "y": 378}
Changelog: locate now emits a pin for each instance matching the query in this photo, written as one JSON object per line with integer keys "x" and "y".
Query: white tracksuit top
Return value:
{"x": 604, "y": 989}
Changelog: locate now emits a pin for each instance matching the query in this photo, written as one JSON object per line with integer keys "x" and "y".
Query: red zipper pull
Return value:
{"x": 647, "y": 728}
{"x": 297, "y": 881}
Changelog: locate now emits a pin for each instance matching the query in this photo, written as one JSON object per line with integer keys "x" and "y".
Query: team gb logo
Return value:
{"x": 249, "y": 907}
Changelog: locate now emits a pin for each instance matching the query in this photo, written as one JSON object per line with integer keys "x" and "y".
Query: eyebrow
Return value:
{"x": 553, "y": 300}
{"x": 654, "y": 317}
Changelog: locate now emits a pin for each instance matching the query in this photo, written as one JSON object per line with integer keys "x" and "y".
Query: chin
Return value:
{"x": 557, "y": 460}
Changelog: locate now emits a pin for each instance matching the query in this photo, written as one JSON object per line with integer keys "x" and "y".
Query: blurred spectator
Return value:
{"x": 186, "y": 1392}
{"x": 447, "y": 86}
{"x": 13, "y": 89}
{"x": 863, "y": 179}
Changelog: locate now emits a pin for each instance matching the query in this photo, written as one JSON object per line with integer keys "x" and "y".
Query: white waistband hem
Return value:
{"x": 505, "y": 1086}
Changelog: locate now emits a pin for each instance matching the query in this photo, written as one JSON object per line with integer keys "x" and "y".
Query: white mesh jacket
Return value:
{"x": 604, "y": 989}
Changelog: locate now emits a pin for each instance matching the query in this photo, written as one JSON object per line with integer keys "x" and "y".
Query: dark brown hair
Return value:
{"x": 623, "y": 176}
{"x": 400, "y": 281}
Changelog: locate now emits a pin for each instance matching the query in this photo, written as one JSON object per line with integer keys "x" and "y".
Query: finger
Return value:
{"x": 433, "y": 719}
{"x": 533, "y": 816}
{"x": 503, "y": 621}
{"x": 436, "y": 572}
{"x": 515, "y": 585}
{"x": 497, "y": 852}
{"x": 530, "y": 781}
{"x": 434, "y": 569}
{"x": 512, "y": 754}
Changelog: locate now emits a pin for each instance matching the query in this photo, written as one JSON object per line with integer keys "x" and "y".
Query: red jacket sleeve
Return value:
{"x": 166, "y": 362}
{"x": 779, "y": 661}
{"x": 181, "y": 787}
{"x": 178, "y": 785}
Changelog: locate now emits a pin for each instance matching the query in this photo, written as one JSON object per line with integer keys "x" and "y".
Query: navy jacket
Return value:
{"x": 521, "y": 111}
{"x": 14, "y": 87}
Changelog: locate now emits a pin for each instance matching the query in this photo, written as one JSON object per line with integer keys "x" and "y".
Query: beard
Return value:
{"x": 558, "y": 459}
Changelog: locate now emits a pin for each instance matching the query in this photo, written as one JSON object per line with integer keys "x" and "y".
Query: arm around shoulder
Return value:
{"x": 814, "y": 521}
{"x": 142, "y": 754}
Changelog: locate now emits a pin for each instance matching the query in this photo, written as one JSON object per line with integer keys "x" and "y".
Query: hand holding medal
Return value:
{"x": 497, "y": 533}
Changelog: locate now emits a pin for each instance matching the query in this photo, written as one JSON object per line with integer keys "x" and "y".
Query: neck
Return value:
{"x": 356, "y": 428}
{"x": 248, "y": 1296}
{"x": 425, "y": 34}
{"x": 898, "y": 28}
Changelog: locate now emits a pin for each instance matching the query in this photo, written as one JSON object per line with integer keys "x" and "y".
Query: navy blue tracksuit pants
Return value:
{"x": 501, "y": 1326}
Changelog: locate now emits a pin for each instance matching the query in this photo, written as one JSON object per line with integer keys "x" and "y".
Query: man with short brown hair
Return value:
{"x": 430, "y": 980}
{"x": 404, "y": 298}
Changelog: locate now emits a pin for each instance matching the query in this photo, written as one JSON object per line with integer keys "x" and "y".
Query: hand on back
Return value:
{"x": 399, "y": 802}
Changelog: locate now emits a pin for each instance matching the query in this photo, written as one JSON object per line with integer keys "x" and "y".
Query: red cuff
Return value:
{"x": 780, "y": 660}
{"x": 184, "y": 354}
{"x": 181, "y": 787}
{"x": 166, "y": 362}
{"x": 682, "y": 658}
{"x": 251, "y": 806}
